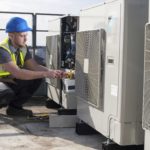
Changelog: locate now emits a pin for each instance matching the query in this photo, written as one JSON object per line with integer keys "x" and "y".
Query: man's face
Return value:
{"x": 18, "y": 39}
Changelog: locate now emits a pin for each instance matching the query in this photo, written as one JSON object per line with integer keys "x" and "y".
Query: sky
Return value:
{"x": 47, "y": 6}
{"x": 71, "y": 7}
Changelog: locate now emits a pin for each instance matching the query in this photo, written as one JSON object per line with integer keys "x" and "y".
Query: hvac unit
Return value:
{"x": 109, "y": 66}
{"x": 61, "y": 55}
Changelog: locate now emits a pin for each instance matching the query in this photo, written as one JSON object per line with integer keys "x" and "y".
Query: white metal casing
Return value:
{"x": 54, "y": 26}
{"x": 149, "y": 12}
{"x": 146, "y": 142}
{"x": 123, "y": 21}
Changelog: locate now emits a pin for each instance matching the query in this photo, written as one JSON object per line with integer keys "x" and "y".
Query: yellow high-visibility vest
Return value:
{"x": 5, "y": 46}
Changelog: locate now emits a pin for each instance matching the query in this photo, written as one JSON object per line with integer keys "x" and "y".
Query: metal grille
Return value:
{"x": 90, "y": 45}
{"x": 53, "y": 56}
{"x": 146, "y": 92}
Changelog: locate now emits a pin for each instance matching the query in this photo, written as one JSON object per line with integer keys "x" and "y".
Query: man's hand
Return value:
{"x": 56, "y": 74}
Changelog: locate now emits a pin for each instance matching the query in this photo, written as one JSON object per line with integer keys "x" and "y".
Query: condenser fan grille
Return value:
{"x": 90, "y": 48}
{"x": 146, "y": 104}
{"x": 52, "y": 56}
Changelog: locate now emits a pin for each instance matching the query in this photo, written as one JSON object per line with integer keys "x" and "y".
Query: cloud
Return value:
{"x": 46, "y": 6}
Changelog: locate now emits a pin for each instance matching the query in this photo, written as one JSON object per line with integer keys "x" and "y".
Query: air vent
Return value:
{"x": 90, "y": 67}
{"x": 53, "y": 56}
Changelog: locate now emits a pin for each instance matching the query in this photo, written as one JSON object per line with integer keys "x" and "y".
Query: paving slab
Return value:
{"x": 18, "y": 133}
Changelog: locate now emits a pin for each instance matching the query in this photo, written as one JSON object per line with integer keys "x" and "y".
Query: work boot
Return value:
{"x": 4, "y": 103}
{"x": 14, "y": 111}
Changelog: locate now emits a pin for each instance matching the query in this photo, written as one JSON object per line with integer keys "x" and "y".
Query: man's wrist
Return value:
{"x": 44, "y": 75}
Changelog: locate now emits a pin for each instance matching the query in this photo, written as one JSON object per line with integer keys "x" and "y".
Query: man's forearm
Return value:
{"x": 41, "y": 68}
{"x": 29, "y": 75}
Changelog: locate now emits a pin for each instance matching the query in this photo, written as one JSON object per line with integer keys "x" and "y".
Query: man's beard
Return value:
{"x": 21, "y": 46}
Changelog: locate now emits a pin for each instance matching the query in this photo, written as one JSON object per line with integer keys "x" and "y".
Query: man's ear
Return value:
{"x": 10, "y": 35}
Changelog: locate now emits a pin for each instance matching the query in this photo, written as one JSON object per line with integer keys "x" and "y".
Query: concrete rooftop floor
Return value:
{"x": 19, "y": 133}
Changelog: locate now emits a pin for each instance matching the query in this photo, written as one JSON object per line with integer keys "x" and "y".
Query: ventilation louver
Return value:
{"x": 90, "y": 56}
{"x": 53, "y": 56}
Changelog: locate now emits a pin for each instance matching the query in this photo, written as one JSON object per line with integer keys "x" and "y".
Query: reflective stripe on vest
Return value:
{"x": 22, "y": 53}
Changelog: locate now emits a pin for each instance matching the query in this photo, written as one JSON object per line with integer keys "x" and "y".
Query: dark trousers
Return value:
{"x": 18, "y": 94}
